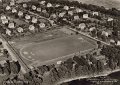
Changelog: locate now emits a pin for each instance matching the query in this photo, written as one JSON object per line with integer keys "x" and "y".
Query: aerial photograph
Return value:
{"x": 59, "y": 42}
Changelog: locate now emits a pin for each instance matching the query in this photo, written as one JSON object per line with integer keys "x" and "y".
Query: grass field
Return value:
{"x": 56, "y": 48}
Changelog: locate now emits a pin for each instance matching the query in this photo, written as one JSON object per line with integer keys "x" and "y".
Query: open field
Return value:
{"x": 56, "y": 48}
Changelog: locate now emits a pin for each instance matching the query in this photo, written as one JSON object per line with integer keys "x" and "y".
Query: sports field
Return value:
{"x": 52, "y": 49}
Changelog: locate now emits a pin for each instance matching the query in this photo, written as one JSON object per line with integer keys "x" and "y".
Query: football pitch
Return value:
{"x": 53, "y": 49}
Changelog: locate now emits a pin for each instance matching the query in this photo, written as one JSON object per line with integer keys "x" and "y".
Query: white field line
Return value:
{"x": 12, "y": 55}
{"x": 59, "y": 58}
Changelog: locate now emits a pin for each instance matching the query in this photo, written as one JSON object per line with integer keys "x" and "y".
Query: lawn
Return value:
{"x": 56, "y": 48}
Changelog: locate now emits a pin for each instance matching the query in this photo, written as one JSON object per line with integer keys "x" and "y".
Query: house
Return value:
{"x": 25, "y": 6}
{"x": 44, "y": 11}
{"x": 8, "y": 32}
{"x": 105, "y": 33}
{"x": 27, "y": 17}
{"x": 57, "y": 5}
{"x": 42, "y": 2}
{"x": 95, "y": 13}
{"x": 62, "y": 14}
{"x": 20, "y": 13}
{"x": 34, "y": 20}
{"x": 8, "y": 8}
{"x": 82, "y": 26}
{"x": 85, "y": 16}
{"x": 12, "y": 3}
{"x": 70, "y": 13}
{"x": 42, "y": 25}
{"x": 78, "y": 10}
{"x": 112, "y": 41}
{"x": 3, "y": 17}
{"x": 5, "y": 21}
{"x": 39, "y": 9}
{"x": 20, "y": 29}
{"x": 1, "y": 1}
{"x": 110, "y": 19}
{"x": 31, "y": 27}
{"x": 14, "y": 10}
{"x": 11, "y": 25}
{"x": 53, "y": 16}
{"x": 59, "y": 62}
{"x": 34, "y": 7}
{"x": 76, "y": 17}
{"x": 91, "y": 29}
{"x": 66, "y": 7}
{"x": 118, "y": 43}
{"x": 49, "y": 5}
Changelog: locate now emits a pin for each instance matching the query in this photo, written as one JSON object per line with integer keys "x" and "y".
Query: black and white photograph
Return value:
{"x": 59, "y": 42}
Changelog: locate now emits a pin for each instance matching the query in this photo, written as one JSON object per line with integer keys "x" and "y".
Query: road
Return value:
{"x": 11, "y": 53}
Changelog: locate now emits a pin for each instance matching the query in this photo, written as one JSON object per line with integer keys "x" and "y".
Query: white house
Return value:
{"x": 112, "y": 41}
{"x": 70, "y": 13}
{"x": 110, "y": 19}
{"x": 95, "y": 13}
{"x": 24, "y": 5}
{"x": 27, "y": 17}
{"x": 76, "y": 17}
{"x": 54, "y": 16}
{"x": 105, "y": 33}
{"x": 82, "y": 26}
{"x": 42, "y": 2}
{"x": 20, "y": 29}
{"x": 0, "y": 0}
{"x": 91, "y": 29}
{"x": 118, "y": 43}
{"x": 85, "y": 16}
{"x": 14, "y": 10}
{"x": 62, "y": 14}
{"x": 12, "y": 3}
{"x": 11, "y": 25}
{"x": 42, "y": 25}
{"x": 20, "y": 13}
{"x": 39, "y": 9}
{"x": 57, "y": 5}
{"x": 8, "y": 8}
{"x": 44, "y": 11}
{"x": 78, "y": 10}
{"x": 3, "y": 17}
{"x": 66, "y": 7}
{"x": 49, "y": 5}
{"x": 34, "y": 7}
{"x": 8, "y": 32}
{"x": 34, "y": 20}
{"x": 5, "y": 21}
{"x": 31, "y": 28}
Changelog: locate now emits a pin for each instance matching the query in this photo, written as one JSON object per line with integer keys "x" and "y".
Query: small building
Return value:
{"x": 112, "y": 41}
{"x": 42, "y": 2}
{"x": 57, "y": 5}
{"x": 5, "y": 21}
{"x": 34, "y": 20}
{"x": 49, "y": 5}
{"x": 110, "y": 19}
{"x": 85, "y": 16}
{"x": 66, "y": 8}
{"x": 76, "y": 17}
{"x": 42, "y": 25}
{"x": 91, "y": 29}
{"x": 39, "y": 9}
{"x": 20, "y": 13}
{"x": 12, "y": 3}
{"x": 3, "y": 17}
{"x": 105, "y": 33}
{"x": 31, "y": 28}
{"x": 25, "y": 6}
{"x": 20, "y": 29}
{"x": 118, "y": 43}
{"x": 8, "y": 32}
{"x": 27, "y": 17}
{"x": 11, "y": 25}
{"x": 78, "y": 10}
{"x": 8, "y": 8}
{"x": 34, "y": 7}
{"x": 14, "y": 10}
{"x": 62, "y": 14}
{"x": 95, "y": 13}
{"x": 70, "y": 13}
{"x": 82, "y": 26}
{"x": 44, "y": 11}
